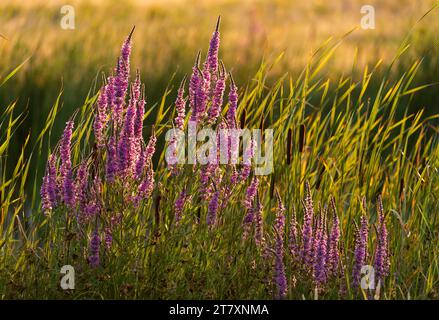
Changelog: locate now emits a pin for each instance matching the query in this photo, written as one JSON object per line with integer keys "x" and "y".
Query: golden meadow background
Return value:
{"x": 169, "y": 34}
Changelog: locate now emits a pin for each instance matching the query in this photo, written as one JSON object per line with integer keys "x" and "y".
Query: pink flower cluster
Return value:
{"x": 120, "y": 159}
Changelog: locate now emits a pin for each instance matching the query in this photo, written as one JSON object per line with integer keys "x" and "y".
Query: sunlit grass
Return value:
{"x": 345, "y": 137}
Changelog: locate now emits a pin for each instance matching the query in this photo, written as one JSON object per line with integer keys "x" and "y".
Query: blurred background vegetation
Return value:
{"x": 169, "y": 34}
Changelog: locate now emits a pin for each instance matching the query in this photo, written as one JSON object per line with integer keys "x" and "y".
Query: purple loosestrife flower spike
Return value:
{"x": 201, "y": 95}
{"x": 138, "y": 123}
{"x": 247, "y": 223}
{"x": 248, "y": 203}
{"x": 280, "y": 278}
{"x": 382, "y": 264}
{"x": 66, "y": 166}
{"x": 207, "y": 82}
{"x": 293, "y": 240}
{"x": 68, "y": 190}
{"x": 66, "y": 140}
{"x": 81, "y": 185}
{"x": 140, "y": 164}
{"x": 109, "y": 91}
{"x": 193, "y": 87}
{"x": 179, "y": 205}
{"x": 111, "y": 165}
{"x": 51, "y": 186}
{"x": 90, "y": 211}
{"x": 206, "y": 171}
{"x": 145, "y": 188}
{"x": 212, "y": 55}
{"x": 48, "y": 187}
{"x": 121, "y": 79}
{"x": 180, "y": 106}
{"x": 125, "y": 148}
{"x": 320, "y": 251}
{"x": 95, "y": 243}
{"x": 126, "y": 47}
{"x": 213, "y": 209}
{"x": 136, "y": 86}
{"x": 46, "y": 205}
{"x": 101, "y": 118}
{"x": 307, "y": 230}
{"x": 150, "y": 148}
{"x": 360, "y": 253}
{"x": 333, "y": 255}
{"x": 251, "y": 193}
{"x": 217, "y": 100}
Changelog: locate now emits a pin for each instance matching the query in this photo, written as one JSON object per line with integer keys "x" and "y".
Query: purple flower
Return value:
{"x": 201, "y": 95}
{"x": 101, "y": 118}
{"x": 66, "y": 140}
{"x": 93, "y": 207}
{"x": 121, "y": 79}
{"x": 136, "y": 87}
{"x": 138, "y": 122}
{"x": 179, "y": 205}
{"x": 228, "y": 188}
{"x": 213, "y": 209}
{"x": 145, "y": 188}
{"x": 293, "y": 240}
{"x": 125, "y": 148}
{"x": 307, "y": 231}
{"x": 280, "y": 278}
{"x": 126, "y": 48}
{"x": 206, "y": 171}
{"x": 194, "y": 83}
{"x": 234, "y": 176}
{"x": 90, "y": 211}
{"x": 140, "y": 164}
{"x": 81, "y": 185}
{"x": 333, "y": 255}
{"x": 66, "y": 166}
{"x": 109, "y": 91}
{"x": 382, "y": 263}
{"x": 52, "y": 175}
{"x": 111, "y": 165}
{"x": 320, "y": 249}
{"x": 360, "y": 253}
{"x": 48, "y": 187}
{"x": 248, "y": 203}
{"x": 95, "y": 243}
{"x": 150, "y": 148}
{"x": 251, "y": 193}
{"x": 180, "y": 106}
{"x": 212, "y": 55}
{"x": 46, "y": 205}
{"x": 217, "y": 100}
{"x": 68, "y": 190}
